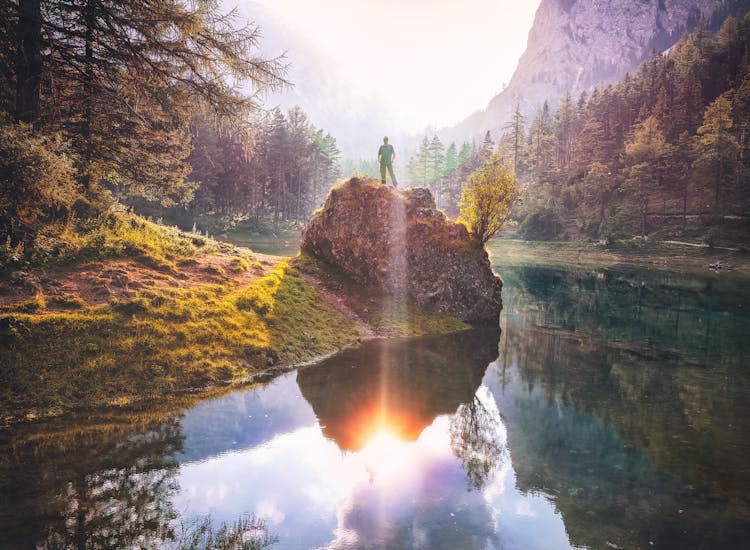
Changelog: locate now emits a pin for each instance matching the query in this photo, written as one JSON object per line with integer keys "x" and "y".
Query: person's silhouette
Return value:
{"x": 386, "y": 154}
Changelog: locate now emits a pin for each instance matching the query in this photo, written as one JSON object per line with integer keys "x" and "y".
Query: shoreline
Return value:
{"x": 661, "y": 255}
{"x": 200, "y": 330}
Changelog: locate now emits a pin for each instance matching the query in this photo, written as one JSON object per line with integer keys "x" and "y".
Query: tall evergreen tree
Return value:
{"x": 517, "y": 129}
{"x": 646, "y": 151}
{"x": 717, "y": 149}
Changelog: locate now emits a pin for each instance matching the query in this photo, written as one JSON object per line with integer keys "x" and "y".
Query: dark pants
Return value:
{"x": 389, "y": 166}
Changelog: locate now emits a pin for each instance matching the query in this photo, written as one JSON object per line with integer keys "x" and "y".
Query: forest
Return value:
{"x": 664, "y": 152}
{"x": 108, "y": 106}
{"x": 158, "y": 108}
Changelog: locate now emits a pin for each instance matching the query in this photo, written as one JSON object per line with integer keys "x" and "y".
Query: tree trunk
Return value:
{"x": 28, "y": 61}
{"x": 88, "y": 93}
{"x": 717, "y": 189}
{"x": 684, "y": 207}
{"x": 299, "y": 197}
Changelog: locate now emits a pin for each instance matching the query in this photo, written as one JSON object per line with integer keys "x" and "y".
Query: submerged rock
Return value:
{"x": 400, "y": 243}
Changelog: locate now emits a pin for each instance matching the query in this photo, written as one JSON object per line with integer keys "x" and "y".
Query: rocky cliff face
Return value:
{"x": 399, "y": 243}
{"x": 575, "y": 44}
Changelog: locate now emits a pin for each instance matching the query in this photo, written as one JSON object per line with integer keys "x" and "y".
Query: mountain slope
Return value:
{"x": 575, "y": 44}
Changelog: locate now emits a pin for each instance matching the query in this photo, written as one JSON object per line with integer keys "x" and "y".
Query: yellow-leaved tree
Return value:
{"x": 486, "y": 198}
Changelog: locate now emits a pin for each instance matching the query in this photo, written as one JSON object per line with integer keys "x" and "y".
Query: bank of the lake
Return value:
{"x": 149, "y": 319}
{"x": 664, "y": 255}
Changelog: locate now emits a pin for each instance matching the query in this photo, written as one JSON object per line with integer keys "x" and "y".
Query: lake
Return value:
{"x": 611, "y": 411}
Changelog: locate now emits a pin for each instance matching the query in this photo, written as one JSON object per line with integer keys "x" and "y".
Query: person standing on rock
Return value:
{"x": 386, "y": 154}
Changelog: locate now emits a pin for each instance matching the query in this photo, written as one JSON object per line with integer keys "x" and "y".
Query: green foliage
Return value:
{"x": 717, "y": 148}
{"x": 114, "y": 235}
{"x": 277, "y": 166}
{"x": 542, "y": 225}
{"x": 442, "y": 170}
{"x": 487, "y": 197}
{"x": 37, "y": 184}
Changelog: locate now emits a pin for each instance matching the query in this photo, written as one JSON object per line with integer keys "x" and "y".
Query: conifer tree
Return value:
{"x": 517, "y": 130}
{"x": 126, "y": 77}
{"x": 717, "y": 149}
{"x": 646, "y": 151}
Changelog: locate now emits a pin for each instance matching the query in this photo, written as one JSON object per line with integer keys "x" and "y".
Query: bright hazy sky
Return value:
{"x": 431, "y": 62}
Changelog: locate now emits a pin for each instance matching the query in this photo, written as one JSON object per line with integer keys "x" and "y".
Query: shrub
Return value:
{"x": 486, "y": 198}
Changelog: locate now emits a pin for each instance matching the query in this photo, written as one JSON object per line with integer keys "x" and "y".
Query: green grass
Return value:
{"x": 115, "y": 234}
{"x": 162, "y": 341}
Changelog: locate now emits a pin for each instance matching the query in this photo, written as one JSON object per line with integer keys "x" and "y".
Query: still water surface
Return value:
{"x": 612, "y": 411}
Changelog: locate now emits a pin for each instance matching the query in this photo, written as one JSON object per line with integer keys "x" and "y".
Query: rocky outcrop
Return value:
{"x": 398, "y": 242}
{"x": 575, "y": 44}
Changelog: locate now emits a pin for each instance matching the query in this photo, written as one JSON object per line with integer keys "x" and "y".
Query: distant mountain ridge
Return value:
{"x": 575, "y": 44}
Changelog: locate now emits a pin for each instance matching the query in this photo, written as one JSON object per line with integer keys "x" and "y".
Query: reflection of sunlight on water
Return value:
{"x": 385, "y": 457}
{"x": 313, "y": 494}
{"x": 391, "y": 461}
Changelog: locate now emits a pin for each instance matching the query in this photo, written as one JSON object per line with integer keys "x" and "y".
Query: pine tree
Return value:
{"x": 517, "y": 130}
{"x": 646, "y": 152}
{"x": 541, "y": 143}
{"x": 465, "y": 153}
{"x": 437, "y": 158}
{"x": 451, "y": 159}
{"x": 437, "y": 163}
{"x": 717, "y": 149}
{"x": 564, "y": 125}
{"x": 423, "y": 161}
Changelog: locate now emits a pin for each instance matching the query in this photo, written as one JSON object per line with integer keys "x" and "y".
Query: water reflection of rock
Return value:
{"x": 402, "y": 385}
{"x": 635, "y": 443}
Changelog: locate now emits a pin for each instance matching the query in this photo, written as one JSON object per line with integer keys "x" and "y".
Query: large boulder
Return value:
{"x": 398, "y": 242}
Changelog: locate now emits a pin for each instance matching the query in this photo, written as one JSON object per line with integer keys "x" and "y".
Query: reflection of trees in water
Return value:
{"x": 699, "y": 315}
{"x": 247, "y": 533}
{"x": 475, "y": 440}
{"x": 122, "y": 502}
{"x": 106, "y": 485}
{"x": 629, "y": 424}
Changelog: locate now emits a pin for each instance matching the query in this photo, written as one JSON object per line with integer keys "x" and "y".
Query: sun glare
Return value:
{"x": 386, "y": 457}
